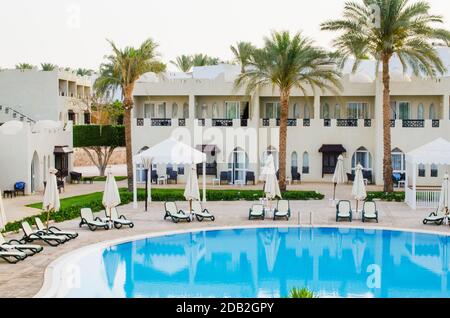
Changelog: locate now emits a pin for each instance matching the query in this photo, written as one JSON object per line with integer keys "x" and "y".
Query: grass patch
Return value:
{"x": 70, "y": 207}
{"x": 103, "y": 179}
{"x": 389, "y": 197}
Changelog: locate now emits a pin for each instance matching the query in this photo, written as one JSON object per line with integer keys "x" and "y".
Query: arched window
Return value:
{"x": 337, "y": 111}
{"x": 398, "y": 161}
{"x": 204, "y": 111}
{"x": 433, "y": 114}
{"x": 420, "y": 112}
{"x": 174, "y": 110}
{"x": 362, "y": 156}
{"x": 186, "y": 111}
{"x": 421, "y": 170}
{"x": 305, "y": 166}
{"x": 215, "y": 109}
{"x": 434, "y": 171}
{"x": 326, "y": 111}
{"x": 296, "y": 111}
{"x": 294, "y": 160}
{"x": 307, "y": 114}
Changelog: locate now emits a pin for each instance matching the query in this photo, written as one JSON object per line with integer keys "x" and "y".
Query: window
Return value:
{"x": 420, "y": 112}
{"x": 272, "y": 110}
{"x": 181, "y": 170}
{"x": 398, "y": 161}
{"x": 232, "y": 110}
{"x": 71, "y": 116}
{"x": 433, "y": 115}
{"x": 307, "y": 114}
{"x": 296, "y": 111}
{"x": 294, "y": 160}
{"x": 215, "y": 108}
{"x": 358, "y": 111}
{"x": 149, "y": 110}
{"x": 305, "y": 167}
{"x": 186, "y": 110}
{"x": 393, "y": 110}
{"x": 174, "y": 110}
{"x": 326, "y": 111}
{"x": 204, "y": 111}
{"x": 337, "y": 111}
{"x": 404, "y": 111}
{"x": 422, "y": 170}
{"x": 162, "y": 110}
{"x": 434, "y": 171}
{"x": 362, "y": 156}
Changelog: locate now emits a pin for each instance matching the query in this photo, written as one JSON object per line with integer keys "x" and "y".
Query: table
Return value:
{"x": 162, "y": 180}
{"x": 9, "y": 193}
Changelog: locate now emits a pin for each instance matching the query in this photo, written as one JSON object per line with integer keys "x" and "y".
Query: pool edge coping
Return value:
{"x": 52, "y": 284}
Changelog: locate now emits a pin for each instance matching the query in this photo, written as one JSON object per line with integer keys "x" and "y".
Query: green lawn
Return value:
{"x": 118, "y": 178}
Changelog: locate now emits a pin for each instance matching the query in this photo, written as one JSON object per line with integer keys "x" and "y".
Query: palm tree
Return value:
{"x": 289, "y": 62}
{"x": 242, "y": 53}
{"x": 183, "y": 63}
{"x": 403, "y": 29}
{"x": 48, "y": 67}
{"x": 122, "y": 69}
{"x": 24, "y": 66}
{"x": 84, "y": 72}
{"x": 204, "y": 60}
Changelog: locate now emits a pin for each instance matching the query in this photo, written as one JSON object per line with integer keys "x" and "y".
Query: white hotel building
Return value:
{"x": 237, "y": 131}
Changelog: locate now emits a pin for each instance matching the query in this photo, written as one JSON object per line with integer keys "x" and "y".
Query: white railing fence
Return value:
{"x": 427, "y": 198}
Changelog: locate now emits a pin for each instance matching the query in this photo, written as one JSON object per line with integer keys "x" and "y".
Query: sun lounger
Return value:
{"x": 283, "y": 210}
{"x": 17, "y": 245}
{"x": 201, "y": 213}
{"x": 87, "y": 218}
{"x": 369, "y": 211}
{"x": 436, "y": 217}
{"x": 118, "y": 220}
{"x": 53, "y": 230}
{"x": 175, "y": 214}
{"x": 344, "y": 211}
{"x": 31, "y": 236}
{"x": 13, "y": 256}
{"x": 256, "y": 212}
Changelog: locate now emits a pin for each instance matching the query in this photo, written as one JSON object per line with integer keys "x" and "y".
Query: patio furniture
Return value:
{"x": 350, "y": 177}
{"x": 250, "y": 177}
{"x": 17, "y": 245}
{"x": 9, "y": 193}
{"x": 118, "y": 220}
{"x": 61, "y": 185}
{"x": 175, "y": 214}
{"x": 283, "y": 210}
{"x": 367, "y": 174}
{"x": 53, "y": 230}
{"x": 31, "y": 236}
{"x": 19, "y": 187}
{"x": 201, "y": 213}
{"x": 437, "y": 217}
{"x": 369, "y": 211}
{"x": 225, "y": 176}
{"x": 295, "y": 175}
{"x": 215, "y": 180}
{"x": 154, "y": 177}
{"x": 88, "y": 180}
{"x": 344, "y": 210}
{"x": 162, "y": 180}
{"x": 256, "y": 212}
{"x": 173, "y": 177}
{"x": 12, "y": 256}
{"x": 75, "y": 177}
{"x": 87, "y": 218}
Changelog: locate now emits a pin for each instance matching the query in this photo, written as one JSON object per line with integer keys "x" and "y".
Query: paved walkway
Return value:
{"x": 26, "y": 278}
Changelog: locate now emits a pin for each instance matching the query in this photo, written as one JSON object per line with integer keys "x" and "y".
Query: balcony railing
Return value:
{"x": 347, "y": 122}
{"x": 266, "y": 122}
{"x": 413, "y": 123}
{"x": 140, "y": 122}
{"x": 201, "y": 122}
{"x": 244, "y": 122}
{"x": 161, "y": 122}
{"x": 290, "y": 122}
{"x": 182, "y": 122}
{"x": 306, "y": 122}
{"x": 435, "y": 123}
{"x": 367, "y": 122}
{"x": 392, "y": 123}
{"x": 327, "y": 122}
{"x": 222, "y": 122}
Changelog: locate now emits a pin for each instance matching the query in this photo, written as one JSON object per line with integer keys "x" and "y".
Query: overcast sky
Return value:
{"x": 72, "y": 32}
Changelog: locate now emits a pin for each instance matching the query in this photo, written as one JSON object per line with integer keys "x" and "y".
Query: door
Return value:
{"x": 34, "y": 173}
{"x": 239, "y": 166}
{"x": 232, "y": 110}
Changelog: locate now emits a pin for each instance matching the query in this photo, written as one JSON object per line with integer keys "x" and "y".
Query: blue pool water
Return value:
{"x": 268, "y": 262}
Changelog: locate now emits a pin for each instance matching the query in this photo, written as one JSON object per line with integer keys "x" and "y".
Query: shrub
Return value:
{"x": 393, "y": 196}
{"x": 95, "y": 135}
{"x": 301, "y": 293}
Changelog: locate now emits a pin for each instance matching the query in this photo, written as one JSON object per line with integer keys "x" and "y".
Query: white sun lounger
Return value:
{"x": 201, "y": 213}
{"x": 283, "y": 210}
{"x": 436, "y": 217}
{"x": 175, "y": 214}
{"x": 87, "y": 218}
{"x": 17, "y": 245}
{"x": 31, "y": 236}
{"x": 53, "y": 230}
{"x": 344, "y": 210}
{"x": 369, "y": 211}
{"x": 118, "y": 220}
{"x": 256, "y": 212}
{"x": 12, "y": 257}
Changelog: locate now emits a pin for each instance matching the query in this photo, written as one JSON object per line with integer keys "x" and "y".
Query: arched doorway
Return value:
{"x": 34, "y": 173}
{"x": 238, "y": 165}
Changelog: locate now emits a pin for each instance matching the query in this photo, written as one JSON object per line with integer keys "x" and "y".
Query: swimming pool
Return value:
{"x": 265, "y": 262}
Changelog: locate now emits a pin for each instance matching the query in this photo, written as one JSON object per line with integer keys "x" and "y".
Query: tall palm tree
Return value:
{"x": 24, "y": 66}
{"x": 183, "y": 63}
{"x": 289, "y": 62}
{"x": 48, "y": 67}
{"x": 121, "y": 71}
{"x": 84, "y": 72}
{"x": 404, "y": 29}
{"x": 242, "y": 53}
{"x": 204, "y": 60}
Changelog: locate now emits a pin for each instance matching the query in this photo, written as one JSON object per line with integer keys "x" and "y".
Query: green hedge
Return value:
{"x": 95, "y": 135}
{"x": 383, "y": 196}
{"x": 70, "y": 207}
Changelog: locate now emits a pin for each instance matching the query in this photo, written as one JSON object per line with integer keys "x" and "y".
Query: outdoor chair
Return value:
{"x": 61, "y": 185}
{"x": 225, "y": 176}
{"x": 87, "y": 218}
{"x": 19, "y": 187}
{"x": 154, "y": 177}
{"x": 118, "y": 220}
{"x": 436, "y": 217}
{"x": 369, "y": 211}
{"x": 53, "y": 230}
{"x": 201, "y": 213}
{"x": 13, "y": 245}
{"x": 350, "y": 177}
{"x": 283, "y": 210}
{"x": 344, "y": 210}
{"x": 31, "y": 236}
{"x": 256, "y": 212}
{"x": 75, "y": 177}
{"x": 367, "y": 174}
{"x": 250, "y": 177}
{"x": 295, "y": 175}
{"x": 175, "y": 214}
{"x": 173, "y": 177}
{"x": 12, "y": 256}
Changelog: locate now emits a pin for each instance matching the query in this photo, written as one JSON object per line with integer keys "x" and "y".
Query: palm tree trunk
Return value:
{"x": 283, "y": 139}
{"x": 128, "y": 105}
{"x": 387, "y": 161}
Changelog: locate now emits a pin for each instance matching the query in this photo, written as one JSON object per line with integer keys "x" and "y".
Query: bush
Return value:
{"x": 301, "y": 293}
{"x": 383, "y": 196}
{"x": 95, "y": 135}
{"x": 70, "y": 207}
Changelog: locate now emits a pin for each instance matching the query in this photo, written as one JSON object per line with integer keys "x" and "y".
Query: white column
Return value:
{"x": 316, "y": 106}
{"x": 414, "y": 185}
{"x": 135, "y": 203}
{"x": 446, "y": 104}
{"x": 204, "y": 181}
